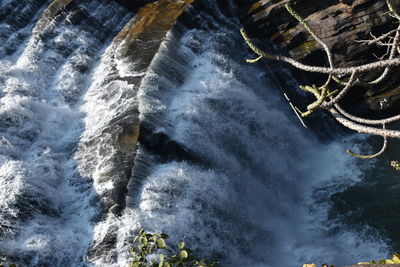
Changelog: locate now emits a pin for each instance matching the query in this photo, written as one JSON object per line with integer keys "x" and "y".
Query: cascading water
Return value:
{"x": 47, "y": 206}
{"x": 221, "y": 163}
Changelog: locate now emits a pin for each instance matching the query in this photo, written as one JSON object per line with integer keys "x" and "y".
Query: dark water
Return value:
{"x": 375, "y": 200}
{"x": 236, "y": 177}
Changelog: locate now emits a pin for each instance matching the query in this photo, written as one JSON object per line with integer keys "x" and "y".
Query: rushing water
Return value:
{"x": 251, "y": 187}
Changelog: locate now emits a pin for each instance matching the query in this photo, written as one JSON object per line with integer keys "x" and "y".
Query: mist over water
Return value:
{"x": 253, "y": 188}
{"x": 257, "y": 200}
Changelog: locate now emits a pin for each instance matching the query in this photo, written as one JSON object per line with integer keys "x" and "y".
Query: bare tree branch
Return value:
{"x": 393, "y": 52}
{"x": 329, "y": 100}
{"x": 380, "y": 152}
{"x": 353, "y": 81}
{"x": 362, "y": 128}
{"x": 377, "y": 39}
{"x": 335, "y": 71}
{"x": 324, "y": 46}
{"x": 366, "y": 121}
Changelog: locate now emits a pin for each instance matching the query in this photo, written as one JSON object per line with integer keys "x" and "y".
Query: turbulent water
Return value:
{"x": 236, "y": 176}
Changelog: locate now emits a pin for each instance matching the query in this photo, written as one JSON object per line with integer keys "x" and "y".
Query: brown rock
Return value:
{"x": 142, "y": 36}
{"x": 50, "y": 13}
{"x": 132, "y": 52}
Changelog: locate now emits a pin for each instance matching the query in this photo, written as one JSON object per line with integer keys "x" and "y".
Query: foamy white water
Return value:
{"x": 46, "y": 204}
{"x": 260, "y": 197}
{"x": 252, "y": 190}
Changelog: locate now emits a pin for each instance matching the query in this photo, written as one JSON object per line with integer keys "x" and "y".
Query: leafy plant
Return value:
{"x": 395, "y": 164}
{"x": 4, "y": 262}
{"x": 146, "y": 247}
{"x": 395, "y": 260}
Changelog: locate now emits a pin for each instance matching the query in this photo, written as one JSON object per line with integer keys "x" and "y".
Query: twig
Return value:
{"x": 324, "y": 46}
{"x": 380, "y": 152}
{"x": 366, "y": 121}
{"x": 335, "y": 71}
{"x": 362, "y": 128}
{"x": 377, "y": 39}
{"x": 353, "y": 81}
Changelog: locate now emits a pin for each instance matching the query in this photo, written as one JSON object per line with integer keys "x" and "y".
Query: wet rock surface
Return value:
{"x": 142, "y": 36}
{"x": 131, "y": 53}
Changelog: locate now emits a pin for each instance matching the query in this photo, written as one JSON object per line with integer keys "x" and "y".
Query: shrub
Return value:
{"x": 146, "y": 248}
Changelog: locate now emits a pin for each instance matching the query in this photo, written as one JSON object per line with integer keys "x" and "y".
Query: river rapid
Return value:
{"x": 221, "y": 162}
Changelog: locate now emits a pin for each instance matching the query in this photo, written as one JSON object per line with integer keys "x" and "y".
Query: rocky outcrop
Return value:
{"x": 339, "y": 24}
{"x": 131, "y": 53}
{"x": 134, "y": 49}
{"x": 55, "y": 8}
{"x": 142, "y": 36}
{"x": 133, "y": 5}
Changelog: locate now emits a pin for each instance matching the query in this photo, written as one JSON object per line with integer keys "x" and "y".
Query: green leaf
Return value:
{"x": 373, "y": 262}
{"x": 396, "y": 258}
{"x": 382, "y": 261}
{"x": 134, "y": 253}
{"x": 165, "y": 236}
{"x": 183, "y": 254}
{"x": 161, "y": 264}
{"x": 143, "y": 240}
{"x": 166, "y": 264}
{"x": 174, "y": 259}
{"x": 181, "y": 245}
{"x": 154, "y": 237}
{"x": 161, "y": 243}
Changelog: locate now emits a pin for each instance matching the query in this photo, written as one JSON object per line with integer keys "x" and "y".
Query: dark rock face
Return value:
{"x": 145, "y": 32}
{"x": 338, "y": 24}
{"x": 133, "y": 5}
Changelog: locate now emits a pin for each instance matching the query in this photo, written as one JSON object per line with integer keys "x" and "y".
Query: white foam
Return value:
{"x": 47, "y": 204}
{"x": 263, "y": 202}
{"x": 259, "y": 198}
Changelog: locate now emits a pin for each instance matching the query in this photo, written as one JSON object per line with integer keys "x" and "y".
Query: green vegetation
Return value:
{"x": 395, "y": 260}
{"x": 4, "y": 261}
{"x": 395, "y": 164}
{"x": 146, "y": 249}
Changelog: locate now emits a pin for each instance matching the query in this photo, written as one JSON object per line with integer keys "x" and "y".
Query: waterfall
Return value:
{"x": 48, "y": 205}
{"x": 221, "y": 160}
